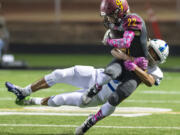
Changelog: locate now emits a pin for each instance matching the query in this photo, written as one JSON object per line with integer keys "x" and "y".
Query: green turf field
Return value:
{"x": 66, "y": 60}
{"x": 166, "y": 96}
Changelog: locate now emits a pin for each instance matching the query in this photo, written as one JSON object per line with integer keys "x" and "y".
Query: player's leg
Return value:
{"x": 112, "y": 71}
{"x": 77, "y": 76}
{"x": 46, "y": 82}
{"x": 21, "y": 93}
{"x": 30, "y": 101}
{"x": 105, "y": 111}
{"x": 123, "y": 91}
{"x": 71, "y": 99}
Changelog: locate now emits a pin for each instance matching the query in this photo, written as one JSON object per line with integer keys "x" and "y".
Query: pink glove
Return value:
{"x": 129, "y": 65}
{"x": 141, "y": 62}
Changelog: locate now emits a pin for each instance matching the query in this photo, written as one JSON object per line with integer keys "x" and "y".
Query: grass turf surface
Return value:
{"x": 167, "y": 96}
{"x": 66, "y": 60}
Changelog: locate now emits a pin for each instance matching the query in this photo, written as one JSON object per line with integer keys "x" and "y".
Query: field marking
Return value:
{"x": 160, "y": 92}
{"x": 153, "y": 101}
{"x": 128, "y": 101}
{"x": 76, "y": 111}
{"x": 3, "y": 89}
{"x": 69, "y": 114}
{"x": 6, "y": 99}
{"x": 74, "y": 126}
{"x": 94, "y": 109}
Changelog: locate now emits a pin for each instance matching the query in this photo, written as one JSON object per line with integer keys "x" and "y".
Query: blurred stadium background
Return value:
{"x": 75, "y": 26}
{"x": 48, "y": 34}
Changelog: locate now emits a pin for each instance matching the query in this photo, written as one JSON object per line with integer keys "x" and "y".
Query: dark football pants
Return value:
{"x": 129, "y": 81}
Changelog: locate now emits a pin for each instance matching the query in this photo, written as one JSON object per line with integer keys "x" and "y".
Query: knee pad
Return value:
{"x": 113, "y": 70}
{"x": 128, "y": 87}
{"x": 51, "y": 102}
{"x": 58, "y": 74}
{"x": 123, "y": 91}
{"x": 52, "y": 78}
{"x": 116, "y": 98}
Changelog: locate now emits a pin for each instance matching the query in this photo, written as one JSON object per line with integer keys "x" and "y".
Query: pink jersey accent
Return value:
{"x": 98, "y": 116}
{"x": 124, "y": 42}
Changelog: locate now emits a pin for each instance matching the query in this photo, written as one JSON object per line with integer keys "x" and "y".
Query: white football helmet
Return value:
{"x": 161, "y": 48}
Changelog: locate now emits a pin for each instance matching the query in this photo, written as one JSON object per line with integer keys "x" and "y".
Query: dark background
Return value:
{"x": 75, "y": 26}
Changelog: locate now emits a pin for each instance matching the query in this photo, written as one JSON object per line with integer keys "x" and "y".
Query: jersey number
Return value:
{"x": 119, "y": 3}
{"x": 132, "y": 22}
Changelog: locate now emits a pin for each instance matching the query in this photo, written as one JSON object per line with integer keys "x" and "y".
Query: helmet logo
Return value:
{"x": 119, "y": 3}
{"x": 161, "y": 49}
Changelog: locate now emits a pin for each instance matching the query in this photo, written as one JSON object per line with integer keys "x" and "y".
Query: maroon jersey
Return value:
{"x": 132, "y": 22}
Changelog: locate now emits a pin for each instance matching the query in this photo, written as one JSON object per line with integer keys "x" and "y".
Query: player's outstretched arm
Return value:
{"x": 146, "y": 78}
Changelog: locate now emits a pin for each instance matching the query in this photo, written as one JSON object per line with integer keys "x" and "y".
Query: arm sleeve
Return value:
{"x": 124, "y": 42}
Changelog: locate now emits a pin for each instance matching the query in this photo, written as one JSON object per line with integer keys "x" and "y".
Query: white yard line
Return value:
{"x": 160, "y": 92}
{"x": 153, "y": 101}
{"x": 94, "y": 109}
{"x": 73, "y": 109}
{"x": 3, "y": 89}
{"x": 69, "y": 114}
{"x": 74, "y": 126}
{"x": 76, "y": 111}
{"x": 6, "y": 99}
{"x": 129, "y": 101}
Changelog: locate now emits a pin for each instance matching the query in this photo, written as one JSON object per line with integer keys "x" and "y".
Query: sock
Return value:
{"x": 36, "y": 101}
{"x": 97, "y": 117}
{"x": 27, "y": 90}
{"x": 106, "y": 110}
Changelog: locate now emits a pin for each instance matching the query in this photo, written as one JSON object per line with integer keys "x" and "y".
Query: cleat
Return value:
{"x": 88, "y": 123}
{"x": 15, "y": 89}
{"x": 26, "y": 101}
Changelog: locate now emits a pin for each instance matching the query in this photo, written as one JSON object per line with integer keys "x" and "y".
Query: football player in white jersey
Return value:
{"x": 85, "y": 77}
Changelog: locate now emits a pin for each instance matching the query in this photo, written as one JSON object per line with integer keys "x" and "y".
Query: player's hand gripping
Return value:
{"x": 130, "y": 65}
{"x": 140, "y": 62}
